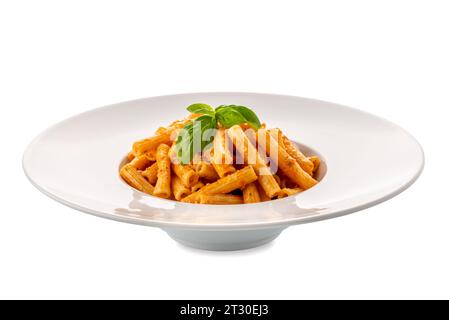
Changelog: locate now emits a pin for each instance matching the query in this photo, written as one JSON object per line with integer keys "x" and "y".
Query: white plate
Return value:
{"x": 367, "y": 160}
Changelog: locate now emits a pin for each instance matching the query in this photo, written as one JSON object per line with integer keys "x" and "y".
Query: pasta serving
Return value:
{"x": 219, "y": 156}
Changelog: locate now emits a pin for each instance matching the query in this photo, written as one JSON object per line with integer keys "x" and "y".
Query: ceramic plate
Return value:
{"x": 366, "y": 160}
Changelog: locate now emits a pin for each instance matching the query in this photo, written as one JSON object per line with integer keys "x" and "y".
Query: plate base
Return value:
{"x": 229, "y": 240}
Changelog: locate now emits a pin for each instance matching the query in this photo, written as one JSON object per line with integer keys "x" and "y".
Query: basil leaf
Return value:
{"x": 192, "y": 138}
{"x": 196, "y": 137}
{"x": 201, "y": 108}
{"x": 184, "y": 144}
{"x": 250, "y": 116}
{"x": 229, "y": 117}
{"x": 208, "y": 136}
{"x": 245, "y": 113}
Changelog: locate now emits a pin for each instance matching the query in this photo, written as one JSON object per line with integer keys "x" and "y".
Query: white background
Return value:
{"x": 59, "y": 58}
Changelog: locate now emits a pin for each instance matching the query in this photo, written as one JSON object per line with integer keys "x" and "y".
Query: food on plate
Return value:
{"x": 219, "y": 156}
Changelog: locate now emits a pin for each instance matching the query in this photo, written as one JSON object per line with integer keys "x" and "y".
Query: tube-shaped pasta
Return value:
{"x": 250, "y": 193}
{"x": 140, "y": 162}
{"x": 277, "y": 178}
{"x": 212, "y": 175}
{"x": 249, "y": 152}
{"x": 163, "y": 188}
{"x": 251, "y": 135}
{"x": 197, "y": 186}
{"x": 222, "y": 158}
{"x": 183, "y": 122}
{"x": 151, "y": 173}
{"x": 283, "y": 182}
{"x": 302, "y": 160}
{"x": 236, "y": 180}
{"x": 291, "y": 149}
{"x": 160, "y": 130}
{"x": 276, "y": 133}
{"x": 179, "y": 190}
{"x": 286, "y": 182}
{"x": 223, "y": 169}
{"x": 287, "y": 163}
{"x": 263, "y": 196}
{"x": 142, "y": 146}
{"x": 187, "y": 175}
{"x": 151, "y": 154}
{"x": 130, "y": 156}
{"x": 178, "y": 124}
{"x": 206, "y": 170}
{"x": 163, "y": 136}
{"x": 316, "y": 162}
{"x": 135, "y": 179}
{"x": 220, "y": 199}
{"x": 285, "y": 192}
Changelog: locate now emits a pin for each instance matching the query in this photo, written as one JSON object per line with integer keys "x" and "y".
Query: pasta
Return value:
{"x": 135, "y": 179}
{"x": 151, "y": 173}
{"x": 163, "y": 188}
{"x": 140, "y": 162}
{"x": 187, "y": 175}
{"x": 250, "y": 155}
{"x": 285, "y": 192}
{"x": 130, "y": 156}
{"x": 220, "y": 199}
{"x": 305, "y": 163}
{"x": 206, "y": 170}
{"x": 302, "y": 160}
{"x": 197, "y": 186}
{"x": 227, "y": 184}
{"x": 179, "y": 189}
{"x": 222, "y": 157}
{"x": 245, "y": 164}
{"x": 142, "y": 146}
{"x": 162, "y": 136}
{"x": 316, "y": 162}
{"x": 288, "y": 164}
{"x": 250, "y": 193}
{"x": 263, "y": 196}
